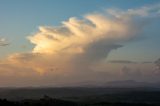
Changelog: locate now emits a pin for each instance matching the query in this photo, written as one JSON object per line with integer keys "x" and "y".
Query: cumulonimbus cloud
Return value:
{"x": 75, "y": 36}
{"x": 90, "y": 39}
{"x": 77, "y": 44}
{"x": 93, "y": 37}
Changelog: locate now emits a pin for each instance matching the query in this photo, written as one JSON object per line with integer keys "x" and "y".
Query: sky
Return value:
{"x": 61, "y": 43}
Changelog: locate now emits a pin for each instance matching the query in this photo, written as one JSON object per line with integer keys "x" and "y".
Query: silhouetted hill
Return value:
{"x": 47, "y": 101}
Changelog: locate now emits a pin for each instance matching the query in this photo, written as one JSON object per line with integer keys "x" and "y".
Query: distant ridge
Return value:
{"x": 128, "y": 83}
{"x": 119, "y": 84}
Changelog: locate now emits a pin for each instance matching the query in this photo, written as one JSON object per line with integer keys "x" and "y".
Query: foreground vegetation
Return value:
{"x": 47, "y": 101}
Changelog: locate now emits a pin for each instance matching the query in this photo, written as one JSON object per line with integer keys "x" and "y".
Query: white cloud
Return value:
{"x": 75, "y": 35}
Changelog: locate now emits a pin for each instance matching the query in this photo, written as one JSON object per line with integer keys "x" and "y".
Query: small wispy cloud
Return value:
{"x": 4, "y": 42}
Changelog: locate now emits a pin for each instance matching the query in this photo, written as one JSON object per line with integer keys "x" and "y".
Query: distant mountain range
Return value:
{"x": 120, "y": 83}
{"x": 128, "y": 83}
{"x": 132, "y": 83}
